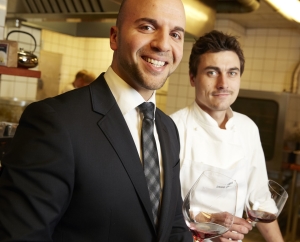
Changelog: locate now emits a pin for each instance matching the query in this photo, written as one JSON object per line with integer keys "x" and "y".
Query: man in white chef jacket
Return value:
{"x": 213, "y": 136}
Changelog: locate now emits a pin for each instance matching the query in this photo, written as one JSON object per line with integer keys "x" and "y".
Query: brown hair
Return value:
{"x": 214, "y": 41}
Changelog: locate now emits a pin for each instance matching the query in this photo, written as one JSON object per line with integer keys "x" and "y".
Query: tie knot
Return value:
{"x": 147, "y": 108}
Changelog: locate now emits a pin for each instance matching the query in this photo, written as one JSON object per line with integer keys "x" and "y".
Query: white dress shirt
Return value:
{"x": 128, "y": 99}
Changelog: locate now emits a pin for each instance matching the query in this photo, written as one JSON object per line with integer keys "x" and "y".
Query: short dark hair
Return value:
{"x": 214, "y": 41}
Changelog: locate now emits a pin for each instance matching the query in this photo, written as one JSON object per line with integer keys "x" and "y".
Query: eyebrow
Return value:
{"x": 154, "y": 22}
{"x": 218, "y": 69}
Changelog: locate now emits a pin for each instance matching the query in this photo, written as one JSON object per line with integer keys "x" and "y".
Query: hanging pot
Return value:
{"x": 26, "y": 59}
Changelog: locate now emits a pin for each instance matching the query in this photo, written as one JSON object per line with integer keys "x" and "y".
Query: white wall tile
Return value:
{"x": 31, "y": 90}
{"x": 257, "y": 64}
{"x": 255, "y": 86}
{"x": 183, "y": 91}
{"x": 269, "y": 64}
{"x": 2, "y": 33}
{"x": 271, "y": 53}
{"x": 184, "y": 68}
{"x": 272, "y": 41}
{"x": 249, "y": 41}
{"x": 20, "y": 89}
{"x": 3, "y": 4}
{"x": 259, "y": 52}
{"x": 282, "y": 53}
{"x": 272, "y": 32}
{"x": 8, "y": 77}
{"x": 260, "y": 41}
{"x": 256, "y": 75}
{"x": 7, "y": 88}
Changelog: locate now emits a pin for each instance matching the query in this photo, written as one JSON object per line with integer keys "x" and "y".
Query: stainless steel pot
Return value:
{"x": 26, "y": 59}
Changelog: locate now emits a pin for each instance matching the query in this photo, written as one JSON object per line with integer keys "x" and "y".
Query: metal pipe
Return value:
{"x": 239, "y": 6}
{"x": 295, "y": 86}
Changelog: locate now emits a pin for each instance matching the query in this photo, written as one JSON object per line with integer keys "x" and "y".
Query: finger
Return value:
{"x": 242, "y": 222}
{"x": 240, "y": 228}
{"x": 233, "y": 235}
{"x": 221, "y": 239}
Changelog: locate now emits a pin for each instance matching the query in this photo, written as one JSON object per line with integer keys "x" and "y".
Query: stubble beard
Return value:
{"x": 150, "y": 81}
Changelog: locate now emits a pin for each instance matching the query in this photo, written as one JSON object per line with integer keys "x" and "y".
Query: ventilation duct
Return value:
{"x": 81, "y": 18}
{"x": 238, "y": 6}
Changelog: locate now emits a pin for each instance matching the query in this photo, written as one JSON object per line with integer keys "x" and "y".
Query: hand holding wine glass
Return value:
{"x": 210, "y": 205}
{"x": 264, "y": 204}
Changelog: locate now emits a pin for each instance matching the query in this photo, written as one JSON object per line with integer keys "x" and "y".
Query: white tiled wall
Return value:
{"x": 92, "y": 54}
{"x": 271, "y": 57}
{"x": 3, "y": 4}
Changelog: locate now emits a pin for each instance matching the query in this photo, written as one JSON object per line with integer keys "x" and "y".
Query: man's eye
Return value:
{"x": 176, "y": 35}
{"x": 147, "y": 27}
{"x": 212, "y": 73}
{"x": 232, "y": 73}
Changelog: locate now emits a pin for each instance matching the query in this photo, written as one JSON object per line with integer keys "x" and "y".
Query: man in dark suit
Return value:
{"x": 75, "y": 169}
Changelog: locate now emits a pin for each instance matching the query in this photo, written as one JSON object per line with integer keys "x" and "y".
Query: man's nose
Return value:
{"x": 222, "y": 82}
{"x": 161, "y": 41}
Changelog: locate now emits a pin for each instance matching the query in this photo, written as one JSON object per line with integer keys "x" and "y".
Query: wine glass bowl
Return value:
{"x": 265, "y": 203}
{"x": 210, "y": 205}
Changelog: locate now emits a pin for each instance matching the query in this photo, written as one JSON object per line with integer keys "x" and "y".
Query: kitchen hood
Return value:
{"x": 93, "y": 18}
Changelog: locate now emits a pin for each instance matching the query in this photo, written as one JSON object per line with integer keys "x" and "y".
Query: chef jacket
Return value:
{"x": 235, "y": 151}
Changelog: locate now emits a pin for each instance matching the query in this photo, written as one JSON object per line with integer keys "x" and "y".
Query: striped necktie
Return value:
{"x": 150, "y": 157}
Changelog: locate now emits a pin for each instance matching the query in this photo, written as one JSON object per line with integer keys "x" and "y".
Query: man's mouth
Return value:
{"x": 156, "y": 63}
{"x": 225, "y": 92}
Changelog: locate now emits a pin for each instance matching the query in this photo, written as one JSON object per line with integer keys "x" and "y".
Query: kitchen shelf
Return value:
{"x": 15, "y": 71}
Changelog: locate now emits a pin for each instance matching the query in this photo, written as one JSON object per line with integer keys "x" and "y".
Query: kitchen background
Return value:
{"x": 270, "y": 42}
{"x": 272, "y": 58}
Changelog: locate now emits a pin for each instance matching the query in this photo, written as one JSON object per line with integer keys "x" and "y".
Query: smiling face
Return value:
{"x": 148, "y": 43}
{"x": 217, "y": 81}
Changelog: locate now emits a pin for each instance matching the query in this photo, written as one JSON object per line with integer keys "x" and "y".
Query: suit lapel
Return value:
{"x": 114, "y": 126}
{"x": 168, "y": 171}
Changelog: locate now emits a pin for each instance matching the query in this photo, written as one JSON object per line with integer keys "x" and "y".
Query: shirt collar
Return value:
{"x": 206, "y": 118}
{"x": 126, "y": 97}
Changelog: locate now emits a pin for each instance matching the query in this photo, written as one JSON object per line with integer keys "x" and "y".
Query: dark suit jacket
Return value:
{"x": 74, "y": 174}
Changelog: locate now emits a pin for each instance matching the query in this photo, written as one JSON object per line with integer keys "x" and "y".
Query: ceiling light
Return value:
{"x": 195, "y": 13}
{"x": 289, "y": 8}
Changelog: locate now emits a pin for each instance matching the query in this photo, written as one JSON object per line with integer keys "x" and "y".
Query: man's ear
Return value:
{"x": 113, "y": 38}
{"x": 192, "y": 80}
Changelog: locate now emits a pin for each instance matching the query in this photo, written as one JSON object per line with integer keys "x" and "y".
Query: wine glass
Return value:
{"x": 264, "y": 203}
{"x": 210, "y": 205}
